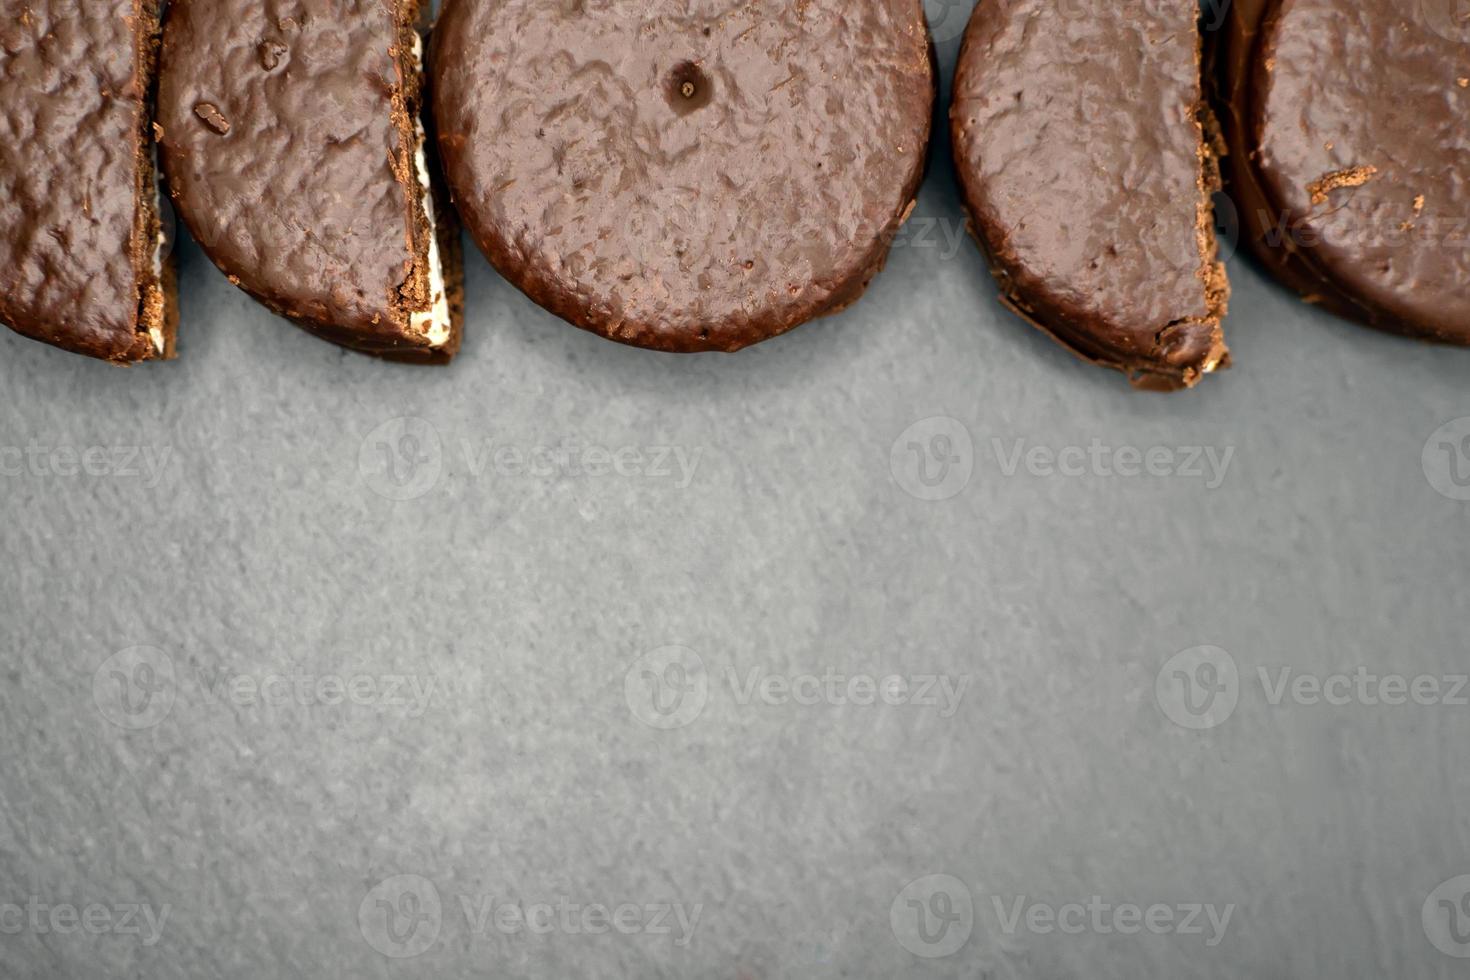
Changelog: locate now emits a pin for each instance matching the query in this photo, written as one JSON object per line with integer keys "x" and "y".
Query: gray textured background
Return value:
{"x": 530, "y": 604}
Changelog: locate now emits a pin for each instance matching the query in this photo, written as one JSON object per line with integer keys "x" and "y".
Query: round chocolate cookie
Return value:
{"x": 1348, "y": 123}
{"x": 1081, "y": 146}
{"x": 83, "y": 262}
{"x": 684, "y": 175}
{"x": 291, "y": 140}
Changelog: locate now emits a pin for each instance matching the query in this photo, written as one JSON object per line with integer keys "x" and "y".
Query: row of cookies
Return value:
{"x": 697, "y": 176}
{"x": 1090, "y": 148}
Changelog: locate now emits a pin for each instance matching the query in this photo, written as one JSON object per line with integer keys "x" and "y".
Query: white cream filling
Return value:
{"x": 434, "y": 322}
{"x": 155, "y": 333}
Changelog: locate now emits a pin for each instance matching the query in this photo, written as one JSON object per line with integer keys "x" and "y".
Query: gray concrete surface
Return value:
{"x": 853, "y": 655}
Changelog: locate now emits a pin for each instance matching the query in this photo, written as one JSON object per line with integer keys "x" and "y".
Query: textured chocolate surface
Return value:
{"x": 1349, "y": 126}
{"x": 759, "y": 511}
{"x": 77, "y": 228}
{"x": 286, "y": 159}
{"x": 686, "y": 175}
{"x": 1079, "y": 150}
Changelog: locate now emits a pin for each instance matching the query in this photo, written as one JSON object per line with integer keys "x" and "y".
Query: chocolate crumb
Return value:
{"x": 212, "y": 117}
{"x": 270, "y": 53}
{"x": 1350, "y": 177}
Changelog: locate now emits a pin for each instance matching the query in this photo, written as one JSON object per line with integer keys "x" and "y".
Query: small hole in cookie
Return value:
{"x": 688, "y": 88}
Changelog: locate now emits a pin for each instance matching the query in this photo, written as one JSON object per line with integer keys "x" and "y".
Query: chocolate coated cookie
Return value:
{"x": 294, "y": 153}
{"x": 82, "y": 259}
{"x": 1081, "y": 143}
{"x": 1348, "y": 123}
{"x": 684, "y": 175}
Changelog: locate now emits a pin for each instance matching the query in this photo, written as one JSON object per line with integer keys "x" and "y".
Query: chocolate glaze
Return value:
{"x": 684, "y": 175}
{"x": 1080, "y": 146}
{"x": 287, "y": 137}
{"x": 78, "y": 222}
{"x": 1349, "y": 131}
